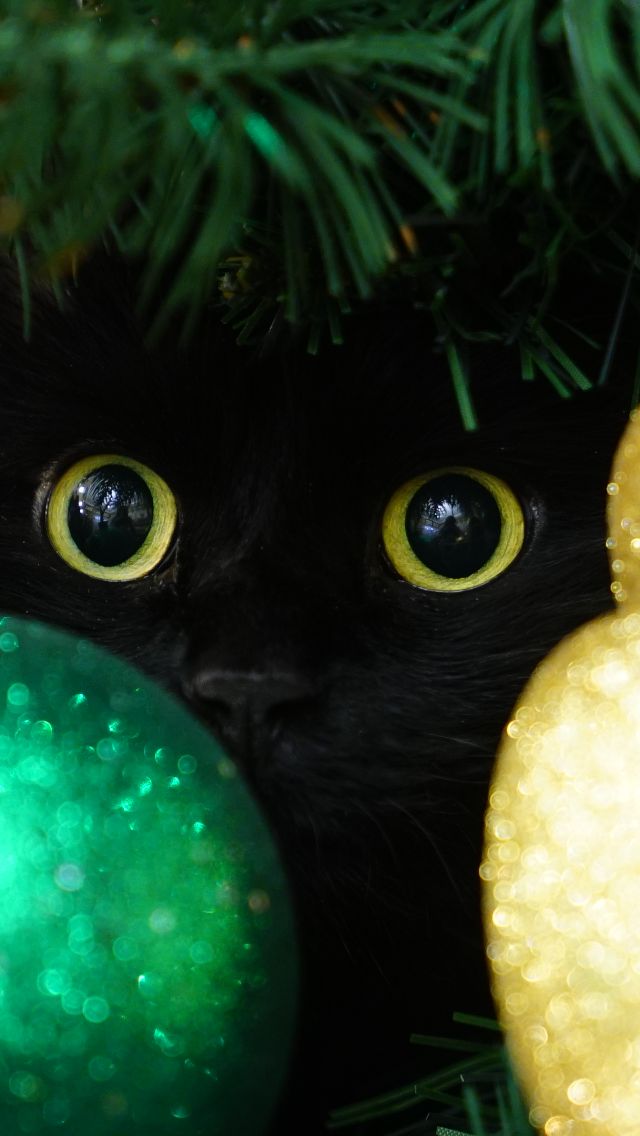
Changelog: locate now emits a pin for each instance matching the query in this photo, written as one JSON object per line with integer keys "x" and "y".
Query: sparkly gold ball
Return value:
{"x": 561, "y": 868}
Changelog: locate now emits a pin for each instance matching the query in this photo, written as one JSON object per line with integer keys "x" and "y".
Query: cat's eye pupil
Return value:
{"x": 110, "y": 514}
{"x": 453, "y": 525}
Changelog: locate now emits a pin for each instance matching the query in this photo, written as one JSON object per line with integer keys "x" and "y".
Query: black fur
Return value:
{"x": 373, "y": 763}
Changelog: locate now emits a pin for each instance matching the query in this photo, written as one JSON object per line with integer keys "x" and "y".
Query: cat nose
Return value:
{"x": 246, "y": 707}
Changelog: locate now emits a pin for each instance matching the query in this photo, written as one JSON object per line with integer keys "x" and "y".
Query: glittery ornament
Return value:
{"x": 562, "y": 858}
{"x": 147, "y": 962}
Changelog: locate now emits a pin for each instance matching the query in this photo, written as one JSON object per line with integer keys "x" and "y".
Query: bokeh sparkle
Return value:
{"x": 561, "y": 868}
{"x": 147, "y": 956}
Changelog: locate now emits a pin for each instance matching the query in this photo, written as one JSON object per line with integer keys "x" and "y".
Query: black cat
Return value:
{"x": 364, "y": 708}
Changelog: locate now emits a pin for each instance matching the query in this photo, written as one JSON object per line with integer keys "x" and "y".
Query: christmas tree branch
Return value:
{"x": 475, "y": 1096}
{"x": 288, "y": 156}
{"x": 108, "y": 113}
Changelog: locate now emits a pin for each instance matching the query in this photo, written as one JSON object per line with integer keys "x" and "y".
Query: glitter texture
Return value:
{"x": 561, "y": 868}
{"x": 141, "y": 981}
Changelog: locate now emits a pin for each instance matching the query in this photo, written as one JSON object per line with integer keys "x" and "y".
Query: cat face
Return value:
{"x": 363, "y": 708}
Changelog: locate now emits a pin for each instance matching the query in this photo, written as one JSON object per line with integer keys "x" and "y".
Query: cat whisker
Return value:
{"x": 428, "y": 836}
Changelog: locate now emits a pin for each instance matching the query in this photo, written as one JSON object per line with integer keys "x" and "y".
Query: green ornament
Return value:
{"x": 147, "y": 960}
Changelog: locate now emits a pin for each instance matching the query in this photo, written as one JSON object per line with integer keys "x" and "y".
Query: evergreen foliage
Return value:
{"x": 285, "y": 157}
{"x": 475, "y": 1096}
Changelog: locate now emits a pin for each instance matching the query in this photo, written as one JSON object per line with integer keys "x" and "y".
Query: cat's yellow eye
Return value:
{"x": 452, "y": 529}
{"x": 111, "y": 517}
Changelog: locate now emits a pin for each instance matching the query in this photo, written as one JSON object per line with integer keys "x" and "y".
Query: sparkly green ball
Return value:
{"x": 147, "y": 960}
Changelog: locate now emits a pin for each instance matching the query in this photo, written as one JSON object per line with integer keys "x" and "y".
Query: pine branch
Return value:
{"x": 289, "y": 155}
{"x": 475, "y": 1096}
{"x": 175, "y": 141}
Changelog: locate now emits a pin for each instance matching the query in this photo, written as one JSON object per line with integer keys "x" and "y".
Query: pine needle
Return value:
{"x": 173, "y": 130}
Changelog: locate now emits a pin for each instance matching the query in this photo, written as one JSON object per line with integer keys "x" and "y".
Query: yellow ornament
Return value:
{"x": 561, "y": 867}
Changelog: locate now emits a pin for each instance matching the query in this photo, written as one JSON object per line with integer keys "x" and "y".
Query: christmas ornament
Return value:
{"x": 147, "y": 964}
{"x": 562, "y": 858}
